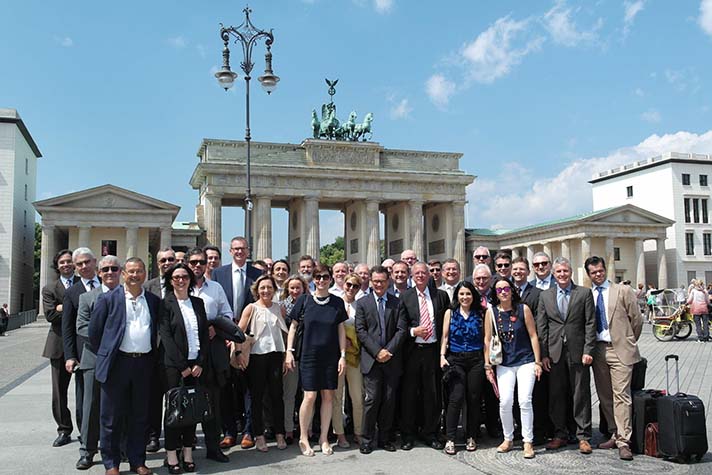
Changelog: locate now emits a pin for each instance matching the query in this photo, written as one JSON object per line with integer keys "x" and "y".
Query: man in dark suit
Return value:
{"x": 110, "y": 274}
{"x": 542, "y": 269}
{"x": 166, "y": 258}
{"x": 566, "y": 326}
{"x": 421, "y": 310}
{"x": 381, "y": 335}
{"x": 236, "y": 279}
{"x": 85, "y": 265}
{"x": 52, "y": 298}
{"x": 451, "y": 277}
{"x": 123, "y": 330}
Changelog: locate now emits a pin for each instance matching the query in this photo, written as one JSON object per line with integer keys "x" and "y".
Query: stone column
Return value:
{"x": 530, "y": 258}
{"x": 212, "y": 215}
{"x": 311, "y": 226}
{"x": 585, "y": 253}
{"x": 372, "y": 231}
{"x": 640, "y": 265}
{"x": 565, "y": 249}
{"x": 416, "y": 228}
{"x": 47, "y": 251}
{"x": 610, "y": 259}
{"x": 165, "y": 237}
{"x": 84, "y": 239}
{"x": 662, "y": 263}
{"x": 547, "y": 249}
{"x": 458, "y": 231}
{"x": 131, "y": 241}
{"x": 262, "y": 228}
{"x": 516, "y": 252}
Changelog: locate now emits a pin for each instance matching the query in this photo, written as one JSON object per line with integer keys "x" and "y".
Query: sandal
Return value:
{"x": 326, "y": 448}
{"x": 450, "y": 447}
{"x": 173, "y": 469}
{"x": 189, "y": 466}
{"x": 505, "y": 447}
{"x": 261, "y": 444}
{"x": 281, "y": 443}
{"x": 529, "y": 450}
{"x": 306, "y": 449}
{"x": 471, "y": 445}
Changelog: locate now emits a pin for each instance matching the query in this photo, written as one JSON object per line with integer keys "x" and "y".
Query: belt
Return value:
{"x": 607, "y": 343}
{"x": 133, "y": 355}
{"x": 425, "y": 345}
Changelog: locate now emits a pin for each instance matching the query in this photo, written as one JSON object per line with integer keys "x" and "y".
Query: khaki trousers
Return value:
{"x": 613, "y": 387}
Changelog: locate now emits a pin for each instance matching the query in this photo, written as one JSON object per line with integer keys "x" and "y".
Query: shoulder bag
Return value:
{"x": 495, "y": 345}
{"x": 299, "y": 335}
{"x": 187, "y": 405}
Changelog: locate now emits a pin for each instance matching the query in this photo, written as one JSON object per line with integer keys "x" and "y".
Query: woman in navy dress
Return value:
{"x": 323, "y": 357}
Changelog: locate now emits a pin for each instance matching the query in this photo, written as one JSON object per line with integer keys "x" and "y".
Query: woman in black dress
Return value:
{"x": 323, "y": 357}
{"x": 183, "y": 326}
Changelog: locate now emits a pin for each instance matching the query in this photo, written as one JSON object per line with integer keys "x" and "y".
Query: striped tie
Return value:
{"x": 425, "y": 317}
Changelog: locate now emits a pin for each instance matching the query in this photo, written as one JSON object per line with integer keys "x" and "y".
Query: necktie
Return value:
{"x": 425, "y": 317}
{"x": 563, "y": 301}
{"x": 601, "y": 320}
{"x": 91, "y": 284}
{"x": 67, "y": 283}
{"x": 382, "y": 318}
{"x": 237, "y": 299}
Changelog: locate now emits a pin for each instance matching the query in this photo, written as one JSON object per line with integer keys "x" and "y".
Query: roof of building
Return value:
{"x": 11, "y": 116}
{"x": 668, "y": 157}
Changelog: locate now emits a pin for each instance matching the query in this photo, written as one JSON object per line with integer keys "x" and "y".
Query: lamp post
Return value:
{"x": 247, "y": 36}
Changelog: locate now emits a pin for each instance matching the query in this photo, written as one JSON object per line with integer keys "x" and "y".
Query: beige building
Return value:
{"x": 18, "y": 179}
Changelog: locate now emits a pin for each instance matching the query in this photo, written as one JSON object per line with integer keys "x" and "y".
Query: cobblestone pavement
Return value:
{"x": 28, "y": 430}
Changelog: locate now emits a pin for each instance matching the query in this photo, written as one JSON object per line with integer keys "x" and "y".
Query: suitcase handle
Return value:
{"x": 677, "y": 372}
{"x": 672, "y": 357}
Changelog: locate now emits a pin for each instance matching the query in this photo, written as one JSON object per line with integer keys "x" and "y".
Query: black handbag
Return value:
{"x": 299, "y": 336}
{"x": 187, "y": 405}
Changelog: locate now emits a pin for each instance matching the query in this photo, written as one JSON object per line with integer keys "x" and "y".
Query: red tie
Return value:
{"x": 425, "y": 317}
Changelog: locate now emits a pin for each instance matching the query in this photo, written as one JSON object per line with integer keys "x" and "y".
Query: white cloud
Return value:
{"x": 563, "y": 30}
{"x": 177, "y": 42}
{"x": 383, "y": 6}
{"x": 401, "y": 110}
{"x": 630, "y": 11}
{"x": 493, "y": 53}
{"x": 64, "y": 41}
{"x": 683, "y": 80}
{"x": 567, "y": 193}
{"x": 705, "y": 19}
{"x": 439, "y": 89}
{"x": 652, "y": 116}
{"x": 639, "y": 92}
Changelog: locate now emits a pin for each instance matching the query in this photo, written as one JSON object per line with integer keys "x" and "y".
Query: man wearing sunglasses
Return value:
{"x": 542, "y": 268}
{"x": 481, "y": 255}
{"x": 436, "y": 272}
{"x": 166, "y": 258}
{"x": 503, "y": 264}
{"x": 110, "y": 275}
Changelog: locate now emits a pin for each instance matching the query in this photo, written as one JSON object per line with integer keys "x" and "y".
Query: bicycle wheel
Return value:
{"x": 663, "y": 331}
{"x": 684, "y": 329}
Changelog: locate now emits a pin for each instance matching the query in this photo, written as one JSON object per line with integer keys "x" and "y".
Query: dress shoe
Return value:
{"x": 407, "y": 445}
{"x": 436, "y": 444}
{"x": 113, "y": 471}
{"x": 217, "y": 456}
{"x": 555, "y": 444}
{"x": 85, "y": 462}
{"x": 227, "y": 442}
{"x": 62, "y": 439}
{"x": 625, "y": 453}
{"x": 153, "y": 445}
{"x": 141, "y": 470}
{"x": 247, "y": 442}
{"x": 387, "y": 446}
{"x": 585, "y": 447}
{"x": 366, "y": 449}
{"x": 609, "y": 444}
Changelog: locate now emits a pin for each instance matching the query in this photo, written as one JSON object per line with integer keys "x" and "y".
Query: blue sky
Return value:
{"x": 537, "y": 95}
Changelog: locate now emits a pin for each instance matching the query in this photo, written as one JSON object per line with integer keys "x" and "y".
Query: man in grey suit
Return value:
{"x": 110, "y": 274}
{"x": 566, "y": 325}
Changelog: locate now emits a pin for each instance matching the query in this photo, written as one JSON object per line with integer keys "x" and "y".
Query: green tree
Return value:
{"x": 332, "y": 253}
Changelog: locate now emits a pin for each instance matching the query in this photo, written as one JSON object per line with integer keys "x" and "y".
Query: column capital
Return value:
{"x": 416, "y": 202}
{"x": 311, "y": 198}
{"x": 48, "y": 227}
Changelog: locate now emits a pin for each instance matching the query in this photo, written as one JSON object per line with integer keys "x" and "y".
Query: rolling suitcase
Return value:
{"x": 637, "y": 382}
{"x": 644, "y": 413}
{"x": 681, "y": 422}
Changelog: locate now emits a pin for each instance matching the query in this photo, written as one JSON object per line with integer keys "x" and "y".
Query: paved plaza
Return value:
{"x": 27, "y": 429}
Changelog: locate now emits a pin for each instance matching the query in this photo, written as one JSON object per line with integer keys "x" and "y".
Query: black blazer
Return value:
{"x": 174, "y": 337}
{"x": 223, "y": 276}
{"x": 368, "y": 329}
{"x": 530, "y": 296}
{"x": 52, "y": 297}
{"x": 70, "y": 307}
{"x": 409, "y": 312}
{"x": 153, "y": 286}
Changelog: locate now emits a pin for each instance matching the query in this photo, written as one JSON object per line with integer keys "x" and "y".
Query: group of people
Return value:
{"x": 404, "y": 347}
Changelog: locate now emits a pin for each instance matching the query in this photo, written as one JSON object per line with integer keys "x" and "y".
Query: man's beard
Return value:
{"x": 306, "y": 276}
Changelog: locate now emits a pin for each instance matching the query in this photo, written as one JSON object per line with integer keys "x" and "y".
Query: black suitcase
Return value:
{"x": 637, "y": 382}
{"x": 644, "y": 412}
{"x": 681, "y": 420}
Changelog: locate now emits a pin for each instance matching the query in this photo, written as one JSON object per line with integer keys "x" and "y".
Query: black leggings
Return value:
{"x": 466, "y": 380}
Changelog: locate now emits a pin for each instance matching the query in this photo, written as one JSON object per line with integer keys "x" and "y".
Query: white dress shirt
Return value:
{"x": 137, "y": 336}
{"x": 190, "y": 320}
{"x": 546, "y": 283}
{"x": 605, "y": 335}
{"x": 86, "y": 283}
{"x": 450, "y": 289}
{"x": 336, "y": 290}
{"x": 238, "y": 286}
{"x": 67, "y": 282}
{"x": 214, "y": 298}
{"x": 431, "y": 312}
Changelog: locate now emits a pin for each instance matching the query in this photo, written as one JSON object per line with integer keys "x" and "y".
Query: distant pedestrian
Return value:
{"x": 698, "y": 300}
{"x": 4, "y": 319}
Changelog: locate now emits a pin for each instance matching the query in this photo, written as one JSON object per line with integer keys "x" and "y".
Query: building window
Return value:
{"x": 687, "y": 210}
{"x": 25, "y": 191}
{"x": 24, "y": 218}
{"x": 629, "y": 191}
{"x": 696, "y": 210}
{"x": 108, "y": 247}
{"x": 27, "y": 167}
{"x": 689, "y": 244}
{"x": 616, "y": 253}
{"x": 691, "y": 275}
{"x": 685, "y": 178}
{"x": 705, "y": 216}
{"x": 703, "y": 180}
{"x": 707, "y": 243}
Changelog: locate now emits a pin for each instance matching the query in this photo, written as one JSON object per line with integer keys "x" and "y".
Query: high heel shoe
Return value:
{"x": 174, "y": 469}
{"x": 326, "y": 448}
{"x": 261, "y": 443}
{"x": 305, "y": 448}
{"x": 189, "y": 466}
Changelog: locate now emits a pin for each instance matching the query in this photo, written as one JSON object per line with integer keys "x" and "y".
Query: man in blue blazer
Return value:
{"x": 236, "y": 278}
{"x": 123, "y": 330}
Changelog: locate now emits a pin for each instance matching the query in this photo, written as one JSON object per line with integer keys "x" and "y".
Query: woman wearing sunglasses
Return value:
{"x": 521, "y": 362}
{"x": 462, "y": 361}
{"x": 323, "y": 356}
{"x": 352, "y": 284}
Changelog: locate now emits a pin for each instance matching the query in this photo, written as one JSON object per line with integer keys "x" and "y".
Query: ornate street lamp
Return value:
{"x": 247, "y": 36}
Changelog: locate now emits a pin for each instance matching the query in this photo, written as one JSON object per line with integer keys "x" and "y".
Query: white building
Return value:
{"x": 676, "y": 186}
{"x": 18, "y": 178}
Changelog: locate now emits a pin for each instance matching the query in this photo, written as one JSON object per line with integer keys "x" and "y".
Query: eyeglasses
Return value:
{"x": 503, "y": 265}
{"x": 541, "y": 264}
{"x": 322, "y": 277}
{"x": 435, "y": 269}
{"x": 481, "y": 257}
{"x": 238, "y": 248}
{"x": 349, "y": 285}
{"x": 481, "y": 279}
{"x": 503, "y": 290}
{"x": 179, "y": 277}
{"x": 110, "y": 269}
{"x": 163, "y": 260}
{"x": 378, "y": 281}
{"x": 196, "y": 262}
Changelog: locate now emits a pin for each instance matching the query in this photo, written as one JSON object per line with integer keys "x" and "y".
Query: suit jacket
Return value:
{"x": 624, "y": 323}
{"x": 409, "y": 312}
{"x": 154, "y": 286}
{"x": 552, "y": 281}
{"x": 53, "y": 296}
{"x": 174, "y": 337}
{"x": 70, "y": 307}
{"x": 578, "y": 329}
{"x": 86, "y": 305}
{"x": 223, "y": 276}
{"x": 107, "y": 326}
{"x": 369, "y": 331}
{"x": 530, "y": 296}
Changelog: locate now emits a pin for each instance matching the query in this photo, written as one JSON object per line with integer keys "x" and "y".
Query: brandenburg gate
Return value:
{"x": 421, "y": 194}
